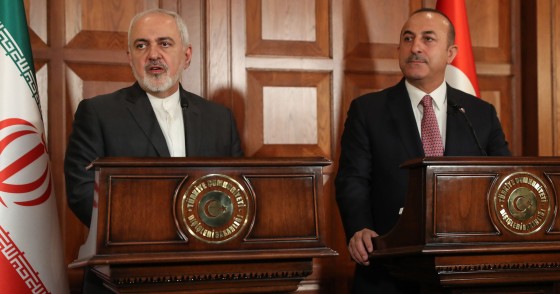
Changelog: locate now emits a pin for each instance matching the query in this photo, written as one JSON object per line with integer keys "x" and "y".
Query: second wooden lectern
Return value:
{"x": 192, "y": 225}
{"x": 478, "y": 225}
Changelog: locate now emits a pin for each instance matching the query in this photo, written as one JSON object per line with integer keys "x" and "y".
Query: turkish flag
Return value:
{"x": 461, "y": 73}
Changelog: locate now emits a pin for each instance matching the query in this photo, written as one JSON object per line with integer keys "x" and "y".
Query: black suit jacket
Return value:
{"x": 380, "y": 134}
{"x": 123, "y": 123}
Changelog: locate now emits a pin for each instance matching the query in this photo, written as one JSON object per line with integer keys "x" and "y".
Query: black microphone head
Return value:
{"x": 473, "y": 132}
{"x": 456, "y": 106}
{"x": 184, "y": 103}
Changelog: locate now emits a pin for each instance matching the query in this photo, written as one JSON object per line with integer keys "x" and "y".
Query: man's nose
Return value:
{"x": 416, "y": 46}
{"x": 154, "y": 52}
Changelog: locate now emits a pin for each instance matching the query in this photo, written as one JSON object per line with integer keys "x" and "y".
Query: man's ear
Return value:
{"x": 188, "y": 56}
{"x": 129, "y": 57}
{"x": 451, "y": 53}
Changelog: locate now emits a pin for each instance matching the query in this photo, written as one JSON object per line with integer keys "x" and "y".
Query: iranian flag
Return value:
{"x": 461, "y": 73}
{"x": 31, "y": 259}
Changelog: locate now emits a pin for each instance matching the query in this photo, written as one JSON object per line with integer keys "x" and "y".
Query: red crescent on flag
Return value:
{"x": 22, "y": 162}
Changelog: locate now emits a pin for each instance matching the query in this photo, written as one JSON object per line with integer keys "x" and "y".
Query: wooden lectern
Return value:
{"x": 193, "y": 225}
{"x": 478, "y": 225}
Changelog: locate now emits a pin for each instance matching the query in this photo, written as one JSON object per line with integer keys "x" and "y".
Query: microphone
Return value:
{"x": 184, "y": 103}
{"x": 473, "y": 132}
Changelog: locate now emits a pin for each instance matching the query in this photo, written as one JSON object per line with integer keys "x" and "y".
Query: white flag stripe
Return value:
{"x": 458, "y": 79}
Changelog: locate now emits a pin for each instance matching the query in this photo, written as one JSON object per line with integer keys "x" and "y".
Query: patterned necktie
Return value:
{"x": 431, "y": 138}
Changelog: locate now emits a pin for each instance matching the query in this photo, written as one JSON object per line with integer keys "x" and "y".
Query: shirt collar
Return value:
{"x": 438, "y": 95}
{"x": 166, "y": 102}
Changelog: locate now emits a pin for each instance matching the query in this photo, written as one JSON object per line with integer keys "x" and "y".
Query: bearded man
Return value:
{"x": 155, "y": 117}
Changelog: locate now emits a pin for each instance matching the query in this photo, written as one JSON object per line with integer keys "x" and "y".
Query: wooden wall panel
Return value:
{"x": 193, "y": 13}
{"x": 218, "y": 48}
{"x": 555, "y": 37}
{"x": 372, "y": 27}
{"x": 540, "y": 36}
{"x": 498, "y": 91}
{"x": 100, "y": 25}
{"x": 256, "y": 135}
{"x": 310, "y": 17}
{"x": 37, "y": 18}
{"x": 490, "y": 28}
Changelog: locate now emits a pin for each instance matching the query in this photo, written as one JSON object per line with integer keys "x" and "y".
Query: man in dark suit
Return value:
{"x": 383, "y": 130}
{"x": 155, "y": 117}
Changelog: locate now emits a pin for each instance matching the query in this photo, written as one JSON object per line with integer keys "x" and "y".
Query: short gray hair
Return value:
{"x": 181, "y": 26}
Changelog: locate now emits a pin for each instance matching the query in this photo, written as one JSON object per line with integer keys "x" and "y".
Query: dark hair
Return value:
{"x": 451, "y": 33}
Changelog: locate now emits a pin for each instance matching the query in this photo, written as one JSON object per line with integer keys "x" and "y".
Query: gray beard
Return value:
{"x": 157, "y": 83}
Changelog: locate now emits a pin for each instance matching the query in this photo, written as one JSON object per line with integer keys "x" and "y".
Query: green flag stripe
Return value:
{"x": 12, "y": 15}
{"x": 14, "y": 40}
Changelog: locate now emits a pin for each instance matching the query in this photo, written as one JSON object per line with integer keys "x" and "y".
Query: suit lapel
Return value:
{"x": 453, "y": 144}
{"x": 142, "y": 111}
{"x": 192, "y": 124}
{"x": 455, "y": 133}
{"x": 405, "y": 123}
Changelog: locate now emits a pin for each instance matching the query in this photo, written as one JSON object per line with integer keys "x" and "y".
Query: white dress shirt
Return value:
{"x": 439, "y": 97}
{"x": 170, "y": 117}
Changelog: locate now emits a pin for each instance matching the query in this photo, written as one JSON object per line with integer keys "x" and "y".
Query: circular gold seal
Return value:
{"x": 214, "y": 208}
{"x": 522, "y": 203}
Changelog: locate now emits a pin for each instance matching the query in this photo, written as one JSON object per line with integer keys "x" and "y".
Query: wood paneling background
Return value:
{"x": 288, "y": 69}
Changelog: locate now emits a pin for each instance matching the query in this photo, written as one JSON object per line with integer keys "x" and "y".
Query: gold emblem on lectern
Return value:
{"x": 522, "y": 203}
{"x": 214, "y": 208}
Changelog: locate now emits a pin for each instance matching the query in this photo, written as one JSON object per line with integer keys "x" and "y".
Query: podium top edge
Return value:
{"x": 210, "y": 161}
{"x": 482, "y": 160}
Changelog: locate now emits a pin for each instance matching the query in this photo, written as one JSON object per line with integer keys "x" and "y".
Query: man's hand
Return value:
{"x": 360, "y": 246}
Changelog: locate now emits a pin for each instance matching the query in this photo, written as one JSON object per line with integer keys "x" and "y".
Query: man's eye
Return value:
{"x": 140, "y": 46}
{"x": 166, "y": 44}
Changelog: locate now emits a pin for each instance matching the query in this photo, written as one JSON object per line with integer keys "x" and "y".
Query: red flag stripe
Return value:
{"x": 21, "y": 163}
{"x": 18, "y": 275}
{"x": 11, "y": 137}
{"x": 38, "y": 200}
{"x": 13, "y": 121}
{"x": 10, "y": 281}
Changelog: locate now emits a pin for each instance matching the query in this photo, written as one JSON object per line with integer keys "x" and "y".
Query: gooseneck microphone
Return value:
{"x": 473, "y": 132}
{"x": 184, "y": 103}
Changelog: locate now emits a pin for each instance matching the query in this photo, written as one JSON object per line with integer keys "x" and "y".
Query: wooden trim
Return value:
{"x": 544, "y": 81}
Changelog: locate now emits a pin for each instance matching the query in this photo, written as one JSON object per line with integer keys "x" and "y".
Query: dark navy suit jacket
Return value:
{"x": 124, "y": 124}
